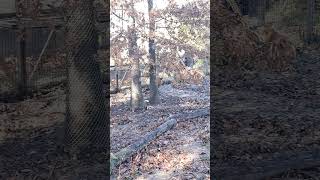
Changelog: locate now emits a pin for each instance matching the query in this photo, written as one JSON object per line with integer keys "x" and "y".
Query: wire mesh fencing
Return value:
{"x": 86, "y": 114}
{"x": 45, "y": 59}
{"x": 298, "y": 19}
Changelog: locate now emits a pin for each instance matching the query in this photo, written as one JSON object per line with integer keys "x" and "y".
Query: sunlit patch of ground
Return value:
{"x": 180, "y": 153}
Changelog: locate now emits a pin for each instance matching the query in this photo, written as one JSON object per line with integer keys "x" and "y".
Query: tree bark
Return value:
{"x": 86, "y": 124}
{"x": 21, "y": 71}
{"x": 129, "y": 151}
{"x": 154, "y": 93}
{"x": 135, "y": 147}
{"x": 261, "y": 11}
{"x": 252, "y": 11}
{"x": 136, "y": 90}
{"x": 310, "y": 21}
{"x": 21, "y": 64}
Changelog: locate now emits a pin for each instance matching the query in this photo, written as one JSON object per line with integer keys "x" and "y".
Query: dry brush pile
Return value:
{"x": 236, "y": 46}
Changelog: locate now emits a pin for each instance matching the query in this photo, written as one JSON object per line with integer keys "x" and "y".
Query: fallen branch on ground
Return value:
{"x": 127, "y": 152}
{"x": 41, "y": 54}
{"x": 130, "y": 150}
{"x": 115, "y": 90}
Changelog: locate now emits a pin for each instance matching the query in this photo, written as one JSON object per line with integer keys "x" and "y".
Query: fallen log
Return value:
{"x": 119, "y": 157}
{"x": 192, "y": 115}
{"x": 127, "y": 152}
{"x": 123, "y": 88}
{"x": 269, "y": 167}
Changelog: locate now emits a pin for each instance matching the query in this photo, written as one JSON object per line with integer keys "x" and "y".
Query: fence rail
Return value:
{"x": 36, "y": 39}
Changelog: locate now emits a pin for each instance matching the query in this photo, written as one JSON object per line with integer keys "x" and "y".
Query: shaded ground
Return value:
{"x": 181, "y": 153}
{"x": 30, "y": 131}
{"x": 28, "y": 142}
{"x": 267, "y": 113}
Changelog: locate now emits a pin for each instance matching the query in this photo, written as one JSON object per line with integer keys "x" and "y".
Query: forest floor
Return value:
{"x": 181, "y": 153}
{"x": 263, "y": 114}
{"x": 30, "y": 130}
{"x": 267, "y": 113}
{"x": 29, "y": 133}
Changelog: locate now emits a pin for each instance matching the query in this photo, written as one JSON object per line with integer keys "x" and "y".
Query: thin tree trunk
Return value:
{"x": 86, "y": 125}
{"x": 136, "y": 90}
{"x": 21, "y": 72}
{"x": 252, "y": 8}
{"x": 21, "y": 64}
{"x": 261, "y": 11}
{"x": 154, "y": 94}
{"x": 310, "y": 21}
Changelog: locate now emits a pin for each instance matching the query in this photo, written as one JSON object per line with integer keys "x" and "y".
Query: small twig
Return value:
{"x": 41, "y": 54}
{"x": 313, "y": 176}
{"x": 124, "y": 76}
{"x": 35, "y": 177}
{"x": 52, "y": 170}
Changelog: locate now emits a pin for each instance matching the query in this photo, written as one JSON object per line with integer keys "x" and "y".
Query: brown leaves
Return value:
{"x": 239, "y": 42}
{"x": 278, "y": 52}
{"x": 243, "y": 46}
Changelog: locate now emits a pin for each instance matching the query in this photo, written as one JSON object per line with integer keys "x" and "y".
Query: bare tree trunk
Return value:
{"x": 21, "y": 72}
{"x": 21, "y": 64}
{"x": 310, "y": 22}
{"x": 261, "y": 11}
{"x": 154, "y": 94}
{"x": 86, "y": 125}
{"x": 252, "y": 11}
{"x": 136, "y": 89}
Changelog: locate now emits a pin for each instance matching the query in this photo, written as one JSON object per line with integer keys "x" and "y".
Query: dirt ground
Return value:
{"x": 181, "y": 153}
{"x": 263, "y": 113}
{"x": 268, "y": 113}
{"x": 30, "y": 130}
{"x": 28, "y": 141}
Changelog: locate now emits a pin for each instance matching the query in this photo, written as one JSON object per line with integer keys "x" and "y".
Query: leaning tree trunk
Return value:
{"x": 86, "y": 116}
{"x": 154, "y": 94}
{"x": 136, "y": 89}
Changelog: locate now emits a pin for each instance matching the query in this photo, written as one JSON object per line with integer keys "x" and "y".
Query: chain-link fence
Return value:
{"x": 50, "y": 50}
{"x": 45, "y": 58}
{"x": 86, "y": 113}
{"x": 287, "y": 16}
{"x": 296, "y": 18}
{"x": 254, "y": 135}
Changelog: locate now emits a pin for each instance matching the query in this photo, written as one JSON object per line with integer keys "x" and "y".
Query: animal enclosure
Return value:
{"x": 264, "y": 124}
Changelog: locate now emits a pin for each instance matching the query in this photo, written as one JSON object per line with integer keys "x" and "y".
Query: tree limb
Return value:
{"x": 127, "y": 152}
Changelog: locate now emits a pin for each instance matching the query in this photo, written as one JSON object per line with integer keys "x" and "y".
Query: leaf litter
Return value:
{"x": 173, "y": 155}
{"x": 29, "y": 149}
{"x": 264, "y": 113}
